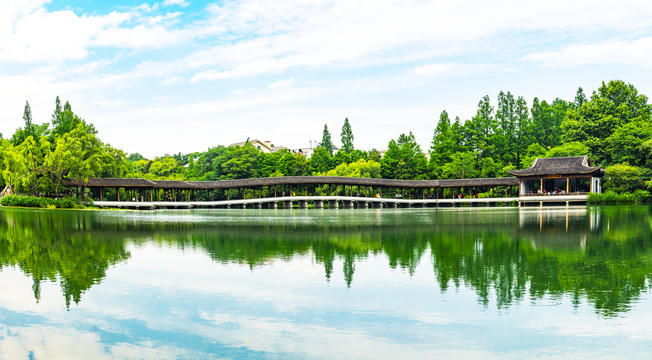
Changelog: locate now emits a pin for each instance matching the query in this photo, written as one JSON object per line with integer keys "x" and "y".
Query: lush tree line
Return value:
{"x": 37, "y": 158}
{"x": 612, "y": 126}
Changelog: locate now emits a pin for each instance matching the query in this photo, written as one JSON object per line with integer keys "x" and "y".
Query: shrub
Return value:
{"x": 39, "y": 202}
{"x": 611, "y": 197}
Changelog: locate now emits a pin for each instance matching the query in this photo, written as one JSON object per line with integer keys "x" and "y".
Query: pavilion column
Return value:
{"x": 541, "y": 187}
{"x": 567, "y": 185}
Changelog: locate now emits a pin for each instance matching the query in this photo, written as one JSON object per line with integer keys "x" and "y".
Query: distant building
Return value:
{"x": 264, "y": 146}
{"x": 307, "y": 151}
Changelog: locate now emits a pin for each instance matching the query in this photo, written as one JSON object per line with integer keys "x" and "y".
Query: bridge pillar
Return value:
{"x": 272, "y": 205}
{"x": 318, "y": 204}
{"x": 287, "y": 204}
{"x": 347, "y": 204}
{"x": 332, "y": 204}
{"x": 303, "y": 204}
{"x": 362, "y": 205}
{"x": 258, "y": 206}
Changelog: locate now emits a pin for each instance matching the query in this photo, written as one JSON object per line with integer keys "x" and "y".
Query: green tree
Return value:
{"x": 479, "y": 130}
{"x": 504, "y": 134}
{"x": 320, "y": 161}
{"x": 241, "y": 162}
{"x": 461, "y": 166}
{"x": 165, "y": 167}
{"x": 85, "y": 150}
{"x": 360, "y": 168}
{"x": 580, "y": 98}
{"x": 533, "y": 151}
{"x": 56, "y": 115}
{"x": 626, "y": 142}
{"x": 443, "y": 144}
{"x": 612, "y": 106}
{"x": 27, "y": 119}
{"x": 573, "y": 148}
{"x": 347, "y": 137}
{"x": 326, "y": 141}
{"x": 624, "y": 178}
{"x": 404, "y": 159}
{"x": 374, "y": 155}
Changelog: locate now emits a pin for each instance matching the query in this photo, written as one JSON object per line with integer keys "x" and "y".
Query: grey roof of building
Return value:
{"x": 558, "y": 166}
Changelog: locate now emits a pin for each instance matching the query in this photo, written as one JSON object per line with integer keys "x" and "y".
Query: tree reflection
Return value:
{"x": 56, "y": 246}
{"x": 601, "y": 255}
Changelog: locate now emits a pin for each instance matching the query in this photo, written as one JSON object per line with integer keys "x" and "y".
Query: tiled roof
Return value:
{"x": 558, "y": 166}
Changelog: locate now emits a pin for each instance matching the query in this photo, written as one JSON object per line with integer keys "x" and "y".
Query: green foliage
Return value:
{"x": 443, "y": 144}
{"x": 599, "y": 122}
{"x": 404, "y": 159}
{"x": 326, "y": 141}
{"x": 461, "y": 166}
{"x": 573, "y": 148}
{"x": 164, "y": 167}
{"x": 624, "y": 178}
{"x": 135, "y": 157}
{"x": 347, "y": 137}
{"x": 320, "y": 161}
{"x": 360, "y": 168}
{"x": 612, "y": 198}
{"x": 38, "y": 202}
{"x": 532, "y": 152}
{"x": 373, "y": 155}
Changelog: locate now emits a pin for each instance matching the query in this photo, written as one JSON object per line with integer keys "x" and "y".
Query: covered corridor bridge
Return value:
{"x": 348, "y": 191}
{"x": 551, "y": 180}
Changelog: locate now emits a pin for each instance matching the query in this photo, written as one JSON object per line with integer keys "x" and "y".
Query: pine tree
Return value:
{"x": 326, "y": 141}
{"x": 347, "y": 137}
{"x": 27, "y": 118}
{"x": 56, "y": 115}
{"x": 580, "y": 98}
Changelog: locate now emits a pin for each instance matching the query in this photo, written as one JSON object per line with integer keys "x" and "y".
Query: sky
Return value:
{"x": 170, "y": 76}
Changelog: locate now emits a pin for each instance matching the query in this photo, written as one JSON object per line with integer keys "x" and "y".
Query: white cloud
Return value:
{"x": 637, "y": 52}
{"x": 451, "y": 69}
{"x": 181, "y": 3}
{"x": 30, "y": 33}
{"x": 356, "y": 33}
{"x": 282, "y": 84}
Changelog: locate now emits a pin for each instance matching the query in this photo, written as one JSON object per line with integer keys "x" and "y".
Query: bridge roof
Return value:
{"x": 292, "y": 180}
{"x": 113, "y": 182}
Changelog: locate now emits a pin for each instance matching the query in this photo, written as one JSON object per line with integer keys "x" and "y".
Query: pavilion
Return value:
{"x": 572, "y": 175}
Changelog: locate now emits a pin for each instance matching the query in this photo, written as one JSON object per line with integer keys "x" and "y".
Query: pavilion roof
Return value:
{"x": 558, "y": 166}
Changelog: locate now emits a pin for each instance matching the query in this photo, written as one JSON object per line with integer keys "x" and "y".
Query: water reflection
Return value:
{"x": 505, "y": 255}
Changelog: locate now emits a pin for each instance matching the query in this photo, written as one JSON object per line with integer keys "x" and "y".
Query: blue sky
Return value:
{"x": 182, "y": 76}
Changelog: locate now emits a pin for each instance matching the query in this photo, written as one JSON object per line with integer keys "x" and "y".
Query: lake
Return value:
{"x": 461, "y": 283}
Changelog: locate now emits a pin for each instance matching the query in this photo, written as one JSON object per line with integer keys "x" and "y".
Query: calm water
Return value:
{"x": 397, "y": 284}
